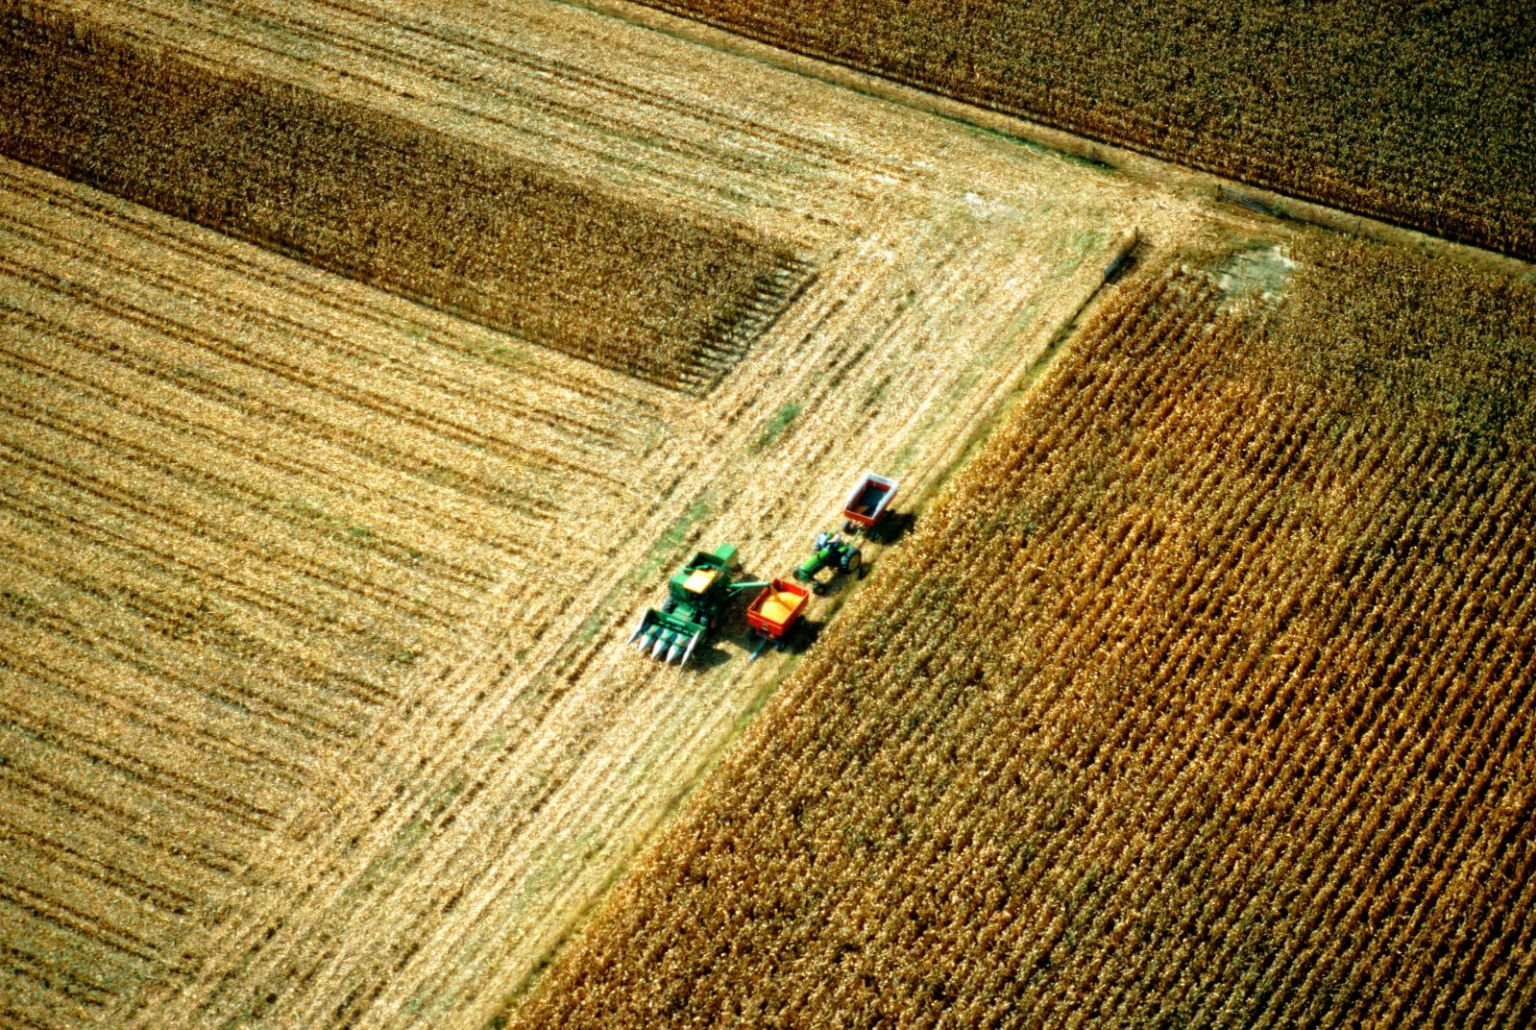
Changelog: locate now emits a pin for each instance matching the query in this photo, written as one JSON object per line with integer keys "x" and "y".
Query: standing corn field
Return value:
{"x": 1204, "y": 696}
{"x": 1421, "y": 117}
{"x": 471, "y": 230}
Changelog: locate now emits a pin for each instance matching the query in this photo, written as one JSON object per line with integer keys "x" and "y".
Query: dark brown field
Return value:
{"x": 1204, "y": 697}
{"x": 1421, "y": 114}
{"x": 514, "y": 245}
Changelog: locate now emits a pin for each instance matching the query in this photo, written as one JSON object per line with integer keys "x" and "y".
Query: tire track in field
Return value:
{"x": 46, "y": 726}
{"x": 85, "y": 640}
{"x": 292, "y": 373}
{"x": 155, "y": 721}
{"x": 195, "y": 564}
{"x": 214, "y": 441}
{"x": 58, "y": 798}
{"x": 355, "y": 446}
{"x": 53, "y": 482}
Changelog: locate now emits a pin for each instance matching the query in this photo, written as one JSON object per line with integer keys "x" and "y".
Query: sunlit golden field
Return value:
{"x": 366, "y": 369}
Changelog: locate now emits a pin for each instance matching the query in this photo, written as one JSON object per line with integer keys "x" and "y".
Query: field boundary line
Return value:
{"x": 1134, "y": 164}
{"x": 918, "y": 497}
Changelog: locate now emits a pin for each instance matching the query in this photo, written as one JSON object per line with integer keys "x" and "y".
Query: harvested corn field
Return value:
{"x": 1202, "y": 697}
{"x": 471, "y": 229}
{"x": 468, "y": 519}
{"x": 1421, "y": 116}
{"x": 242, "y": 501}
{"x": 326, "y": 522}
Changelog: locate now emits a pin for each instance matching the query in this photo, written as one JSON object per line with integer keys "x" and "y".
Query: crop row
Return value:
{"x": 468, "y": 229}
{"x": 1204, "y": 695}
{"x": 241, "y": 512}
{"x": 1420, "y": 118}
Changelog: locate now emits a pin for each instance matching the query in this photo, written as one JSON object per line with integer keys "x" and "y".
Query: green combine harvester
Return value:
{"x": 695, "y": 597}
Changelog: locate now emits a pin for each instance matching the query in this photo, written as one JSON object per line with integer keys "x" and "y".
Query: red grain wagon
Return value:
{"x": 774, "y": 612}
{"x": 868, "y": 503}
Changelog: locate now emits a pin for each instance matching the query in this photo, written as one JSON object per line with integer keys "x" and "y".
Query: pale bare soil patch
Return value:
{"x": 517, "y": 508}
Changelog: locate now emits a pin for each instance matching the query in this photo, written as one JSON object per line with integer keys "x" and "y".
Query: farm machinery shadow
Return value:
{"x": 892, "y": 529}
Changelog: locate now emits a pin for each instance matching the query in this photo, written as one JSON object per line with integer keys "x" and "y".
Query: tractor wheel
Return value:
{"x": 854, "y": 562}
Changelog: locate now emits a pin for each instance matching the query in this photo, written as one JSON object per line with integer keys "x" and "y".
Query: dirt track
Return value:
{"x": 422, "y": 864}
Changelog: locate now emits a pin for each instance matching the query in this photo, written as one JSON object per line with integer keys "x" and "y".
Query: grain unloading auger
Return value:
{"x": 695, "y": 597}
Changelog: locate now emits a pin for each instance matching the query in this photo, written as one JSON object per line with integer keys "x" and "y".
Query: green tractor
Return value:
{"x": 831, "y": 551}
{"x": 695, "y": 597}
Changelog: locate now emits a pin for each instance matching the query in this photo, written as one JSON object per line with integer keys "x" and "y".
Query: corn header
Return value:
{"x": 695, "y": 599}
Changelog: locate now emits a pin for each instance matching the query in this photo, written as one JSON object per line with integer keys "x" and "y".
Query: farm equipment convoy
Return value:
{"x": 698, "y": 594}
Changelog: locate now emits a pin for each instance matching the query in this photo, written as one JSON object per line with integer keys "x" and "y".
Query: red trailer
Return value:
{"x": 868, "y": 503}
{"x": 774, "y": 612}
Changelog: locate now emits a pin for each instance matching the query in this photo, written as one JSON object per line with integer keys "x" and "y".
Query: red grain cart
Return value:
{"x": 774, "y": 612}
{"x": 868, "y": 503}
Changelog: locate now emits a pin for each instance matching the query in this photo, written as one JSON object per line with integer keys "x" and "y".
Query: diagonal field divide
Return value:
{"x": 421, "y": 866}
{"x": 1196, "y": 184}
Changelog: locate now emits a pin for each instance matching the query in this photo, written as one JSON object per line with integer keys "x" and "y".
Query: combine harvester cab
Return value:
{"x": 774, "y": 613}
{"x": 695, "y": 596}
